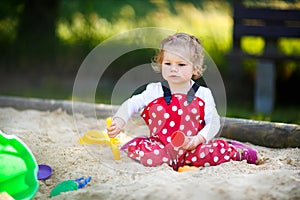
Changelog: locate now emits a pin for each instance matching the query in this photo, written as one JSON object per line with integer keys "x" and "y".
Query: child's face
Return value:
{"x": 176, "y": 69}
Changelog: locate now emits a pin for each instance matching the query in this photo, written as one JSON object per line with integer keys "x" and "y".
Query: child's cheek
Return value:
{"x": 187, "y": 74}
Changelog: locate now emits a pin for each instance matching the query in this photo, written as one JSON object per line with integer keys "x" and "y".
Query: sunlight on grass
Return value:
{"x": 82, "y": 28}
{"x": 212, "y": 24}
{"x": 253, "y": 45}
{"x": 289, "y": 46}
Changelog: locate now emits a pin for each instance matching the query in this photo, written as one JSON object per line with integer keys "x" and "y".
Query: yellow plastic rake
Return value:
{"x": 101, "y": 137}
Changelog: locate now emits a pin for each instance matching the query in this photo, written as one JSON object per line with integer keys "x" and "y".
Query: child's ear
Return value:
{"x": 196, "y": 73}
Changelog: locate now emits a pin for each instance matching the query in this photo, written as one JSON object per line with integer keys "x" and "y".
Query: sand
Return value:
{"x": 53, "y": 139}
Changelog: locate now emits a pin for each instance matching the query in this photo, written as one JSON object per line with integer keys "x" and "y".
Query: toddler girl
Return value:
{"x": 178, "y": 104}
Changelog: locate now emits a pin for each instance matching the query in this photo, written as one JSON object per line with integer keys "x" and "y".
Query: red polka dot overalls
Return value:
{"x": 173, "y": 112}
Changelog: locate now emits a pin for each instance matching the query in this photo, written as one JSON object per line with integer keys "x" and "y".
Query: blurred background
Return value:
{"x": 43, "y": 44}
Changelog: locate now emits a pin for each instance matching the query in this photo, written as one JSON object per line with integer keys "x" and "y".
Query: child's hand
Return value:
{"x": 192, "y": 142}
{"x": 115, "y": 127}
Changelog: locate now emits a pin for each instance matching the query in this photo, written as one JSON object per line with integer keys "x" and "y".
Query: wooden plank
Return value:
{"x": 266, "y": 22}
{"x": 270, "y": 32}
{"x": 276, "y": 135}
{"x": 277, "y": 56}
{"x": 241, "y": 12}
{"x": 87, "y": 109}
{"x": 269, "y": 134}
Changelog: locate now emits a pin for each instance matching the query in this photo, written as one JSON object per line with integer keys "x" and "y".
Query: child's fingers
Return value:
{"x": 189, "y": 144}
{"x": 112, "y": 133}
{"x": 112, "y": 124}
{"x": 113, "y": 130}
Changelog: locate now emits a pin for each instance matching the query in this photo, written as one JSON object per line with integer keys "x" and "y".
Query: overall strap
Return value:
{"x": 191, "y": 93}
{"x": 167, "y": 92}
{"x": 168, "y": 95}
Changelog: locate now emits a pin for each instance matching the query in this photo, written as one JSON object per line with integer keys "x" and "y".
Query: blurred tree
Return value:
{"x": 36, "y": 38}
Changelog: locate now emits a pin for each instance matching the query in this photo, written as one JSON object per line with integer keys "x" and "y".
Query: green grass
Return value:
{"x": 284, "y": 114}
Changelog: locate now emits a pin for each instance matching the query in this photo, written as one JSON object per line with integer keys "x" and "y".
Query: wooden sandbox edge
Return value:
{"x": 263, "y": 133}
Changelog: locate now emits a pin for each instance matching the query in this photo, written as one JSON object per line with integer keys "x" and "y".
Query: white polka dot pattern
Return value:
{"x": 163, "y": 120}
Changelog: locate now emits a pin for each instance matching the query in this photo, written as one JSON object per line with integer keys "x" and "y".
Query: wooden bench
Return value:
{"x": 271, "y": 25}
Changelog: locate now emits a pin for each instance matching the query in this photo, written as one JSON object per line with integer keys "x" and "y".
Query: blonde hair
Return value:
{"x": 190, "y": 45}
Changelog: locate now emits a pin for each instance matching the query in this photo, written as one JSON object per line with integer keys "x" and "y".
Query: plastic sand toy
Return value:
{"x": 101, "y": 137}
{"x": 18, "y": 168}
{"x": 69, "y": 185}
{"x": 187, "y": 168}
{"x": 177, "y": 139}
{"x": 45, "y": 171}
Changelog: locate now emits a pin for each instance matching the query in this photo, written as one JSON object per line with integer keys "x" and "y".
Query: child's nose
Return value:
{"x": 173, "y": 68}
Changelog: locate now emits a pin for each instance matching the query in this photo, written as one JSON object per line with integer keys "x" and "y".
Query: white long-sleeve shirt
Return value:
{"x": 154, "y": 90}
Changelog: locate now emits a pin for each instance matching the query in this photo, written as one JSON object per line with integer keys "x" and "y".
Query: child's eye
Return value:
{"x": 167, "y": 63}
{"x": 181, "y": 64}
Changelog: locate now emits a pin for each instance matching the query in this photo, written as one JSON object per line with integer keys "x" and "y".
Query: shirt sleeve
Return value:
{"x": 211, "y": 116}
{"x": 137, "y": 102}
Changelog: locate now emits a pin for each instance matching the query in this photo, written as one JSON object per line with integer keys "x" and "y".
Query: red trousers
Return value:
{"x": 151, "y": 152}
